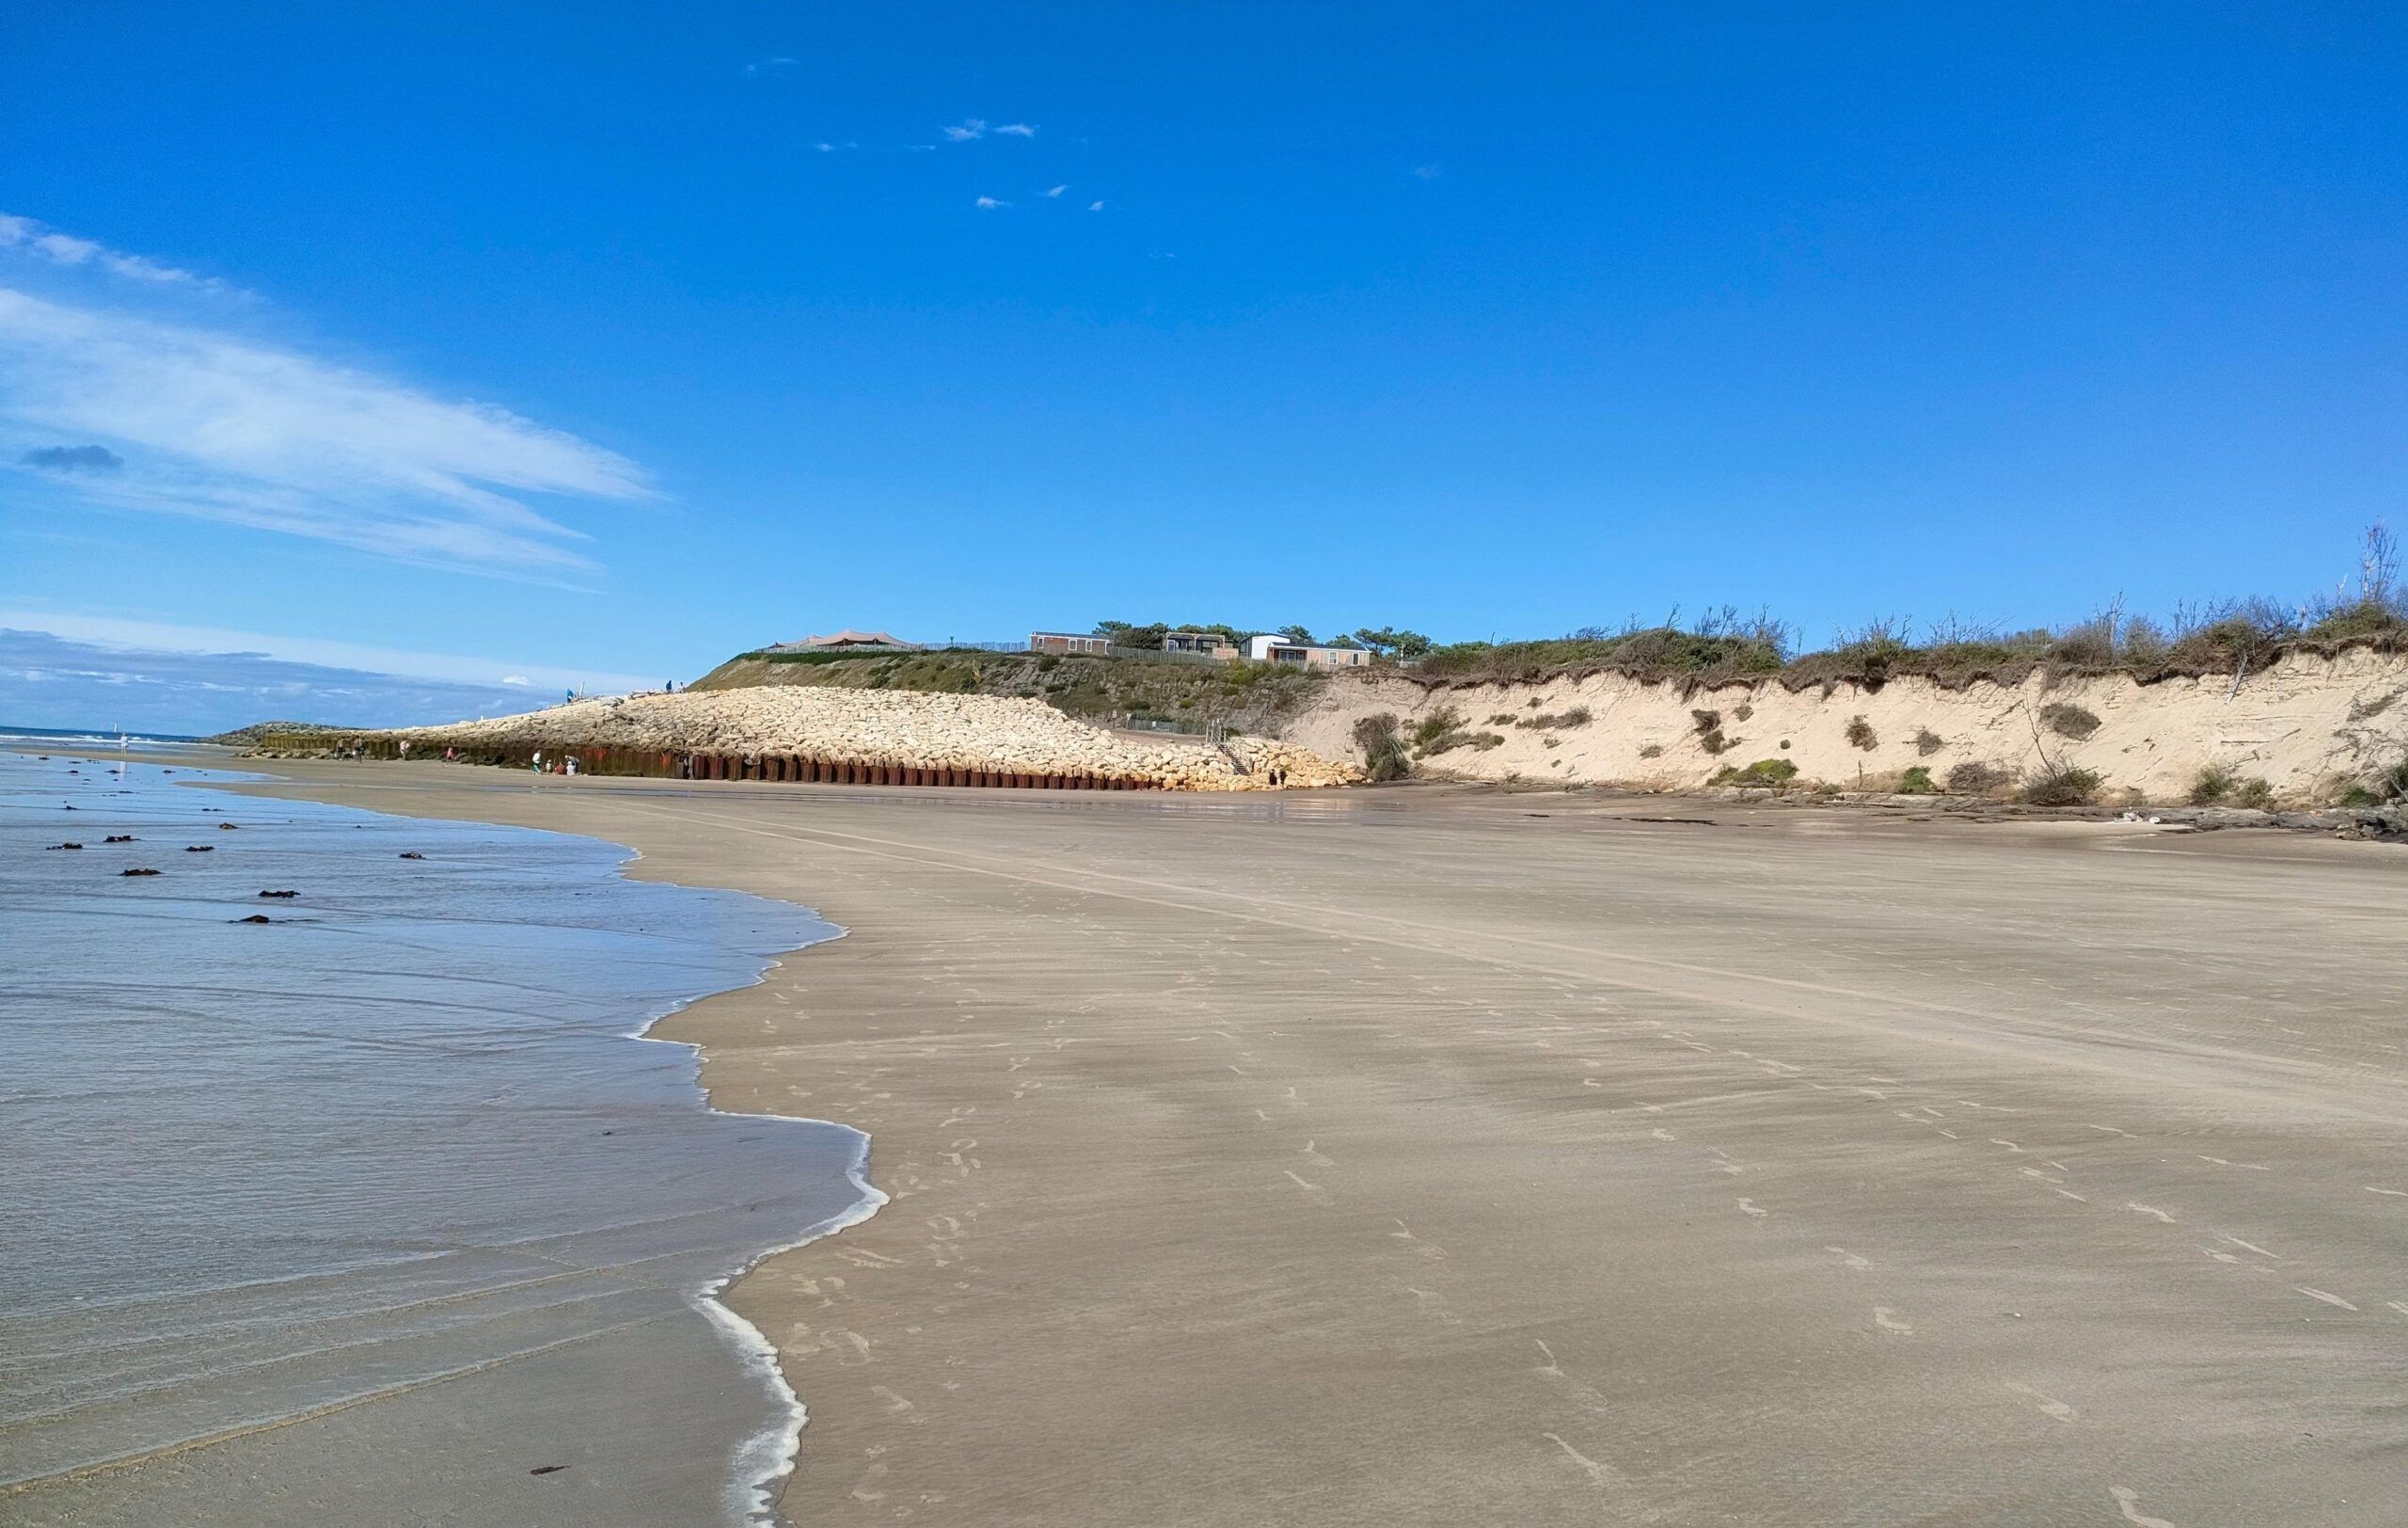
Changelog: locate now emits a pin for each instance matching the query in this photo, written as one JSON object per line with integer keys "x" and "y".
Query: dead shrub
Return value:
{"x": 1861, "y": 733}
{"x": 2069, "y": 721}
{"x": 1974, "y": 778}
{"x": 2063, "y": 787}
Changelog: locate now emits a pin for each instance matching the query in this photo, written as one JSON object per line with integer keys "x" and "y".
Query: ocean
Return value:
{"x": 378, "y": 1210}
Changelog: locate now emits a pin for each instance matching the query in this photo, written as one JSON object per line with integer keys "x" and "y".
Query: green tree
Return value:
{"x": 1388, "y": 642}
{"x": 1147, "y": 638}
{"x": 1297, "y": 634}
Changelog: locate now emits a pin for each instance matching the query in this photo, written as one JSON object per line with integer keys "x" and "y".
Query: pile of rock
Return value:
{"x": 989, "y": 735}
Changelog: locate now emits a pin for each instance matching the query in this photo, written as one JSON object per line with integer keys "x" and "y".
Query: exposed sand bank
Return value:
{"x": 2308, "y": 726}
{"x": 1386, "y": 1157}
{"x": 983, "y": 733}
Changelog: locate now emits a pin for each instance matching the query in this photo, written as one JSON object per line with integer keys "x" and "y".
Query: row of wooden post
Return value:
{"x": 790, "y": 767}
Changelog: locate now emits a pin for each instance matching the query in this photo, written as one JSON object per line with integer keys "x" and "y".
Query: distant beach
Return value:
{"x": 360, "y": 1204}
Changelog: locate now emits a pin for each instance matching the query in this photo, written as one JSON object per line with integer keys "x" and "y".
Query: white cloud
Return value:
{"x": 967, "y": 132}
{"x": 769, "y": 66}
{"x": 1017, "y": 129}
{"x": 161, "y": 637}
{"x": 218, "y": 427}
{"x": 1095, "y": 206}
{"x": 66, "y": 249}
{"x": 1056, "y": 191}
{"x": 990, "y": 203}
{"x": 824, "y": 147}
{"x": 1427, "y": 173}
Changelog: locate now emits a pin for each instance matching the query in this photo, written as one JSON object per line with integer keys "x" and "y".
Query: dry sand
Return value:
{"x": 1419, "y": 1156}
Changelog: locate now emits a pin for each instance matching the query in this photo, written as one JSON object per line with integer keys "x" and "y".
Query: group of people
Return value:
{"x": 565, "y": 764}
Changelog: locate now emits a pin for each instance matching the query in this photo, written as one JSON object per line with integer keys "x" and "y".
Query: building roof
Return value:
{"x": 850, "y": 638}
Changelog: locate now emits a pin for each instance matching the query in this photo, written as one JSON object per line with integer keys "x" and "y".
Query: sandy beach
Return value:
{"x": 1440, "y": 1156}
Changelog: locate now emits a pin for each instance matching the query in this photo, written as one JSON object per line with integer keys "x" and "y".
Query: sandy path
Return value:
{"x": 1404, "y": 1157}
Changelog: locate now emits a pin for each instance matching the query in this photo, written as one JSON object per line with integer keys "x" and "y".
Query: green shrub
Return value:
{"x": 1437, "y": 724}
{"x": 2211, "y": 785}
{"x": 1577, "y": 717}
{"x": 2255, "y": 792}
{"x": 1775, "y": 772}
{"x": 1447, "y": 743}
{"x": 1916, "y": 781}
{"x": 1383, "y": 752}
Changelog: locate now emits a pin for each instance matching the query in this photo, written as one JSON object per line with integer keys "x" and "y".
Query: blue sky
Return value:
{"x": 594, "y": 343}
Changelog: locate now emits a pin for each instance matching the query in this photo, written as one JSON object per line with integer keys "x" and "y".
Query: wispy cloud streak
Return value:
{"x": 215, "y": 426}
{"x": 30, "y": 236}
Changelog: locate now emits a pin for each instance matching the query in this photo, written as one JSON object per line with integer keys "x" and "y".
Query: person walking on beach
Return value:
{"x": 570, "y": 765}
{"x": 538, "y": 764}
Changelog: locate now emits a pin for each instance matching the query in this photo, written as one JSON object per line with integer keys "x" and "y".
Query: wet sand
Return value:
{"x": 1438, "y": 1157}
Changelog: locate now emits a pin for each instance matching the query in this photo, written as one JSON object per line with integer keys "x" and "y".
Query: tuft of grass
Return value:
{"x": 1916, "y": 781}
{"x": 1861, "y": 733}
{"x": 2256, "y": 791}
{"x": 1928, "y": 742}
{"x": 2065, "y": 720}
{"x": 1653, "y": 750}
{"x": 2063, "y": 788}
{"x": 1549, "y": 721}
{"x": 1776, "y": 773}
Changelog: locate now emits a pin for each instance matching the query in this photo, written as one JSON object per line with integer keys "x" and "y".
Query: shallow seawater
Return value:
{"x": 382, "y": 1196}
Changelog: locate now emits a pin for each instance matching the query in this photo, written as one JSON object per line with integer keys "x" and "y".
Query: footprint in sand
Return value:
{"x": 2130, "y": 1500}
{"x": 1887, "y": 1319}
{"x": 2049, "y": 1405}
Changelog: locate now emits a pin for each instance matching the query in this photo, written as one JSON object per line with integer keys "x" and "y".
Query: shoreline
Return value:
{"x": 765, "y": 1461}
{"x": 755, "y": 1463}
{"x": 1348, "y": 1154}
